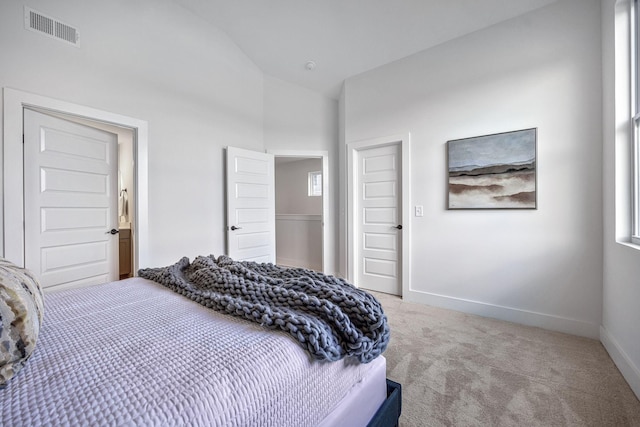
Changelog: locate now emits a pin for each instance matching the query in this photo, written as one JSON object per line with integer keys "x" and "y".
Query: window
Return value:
{"x": 315, "y": 184}
{"x": 635, "y": 116}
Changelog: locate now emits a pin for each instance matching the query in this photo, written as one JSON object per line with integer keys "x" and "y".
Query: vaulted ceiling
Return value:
{"x": 346, "y": 37}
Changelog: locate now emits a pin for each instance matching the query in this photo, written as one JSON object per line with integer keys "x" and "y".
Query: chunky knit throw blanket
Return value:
{"x": 330, "y": 318}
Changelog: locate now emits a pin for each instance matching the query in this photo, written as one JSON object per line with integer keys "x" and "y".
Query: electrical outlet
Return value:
{"x": 419, "y": 210}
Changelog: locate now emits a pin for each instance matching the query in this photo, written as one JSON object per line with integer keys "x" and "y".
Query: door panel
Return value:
{"x": 378, "y": 215}
{"x": 56, "y": 180}
{"x": 380, "y": 267}
{"x": 70, "y": 194}
{"x": 383, "y": 242}
{"x": 250, "y": 205}
{"x": 57, "y": 219}
{"x": 74, "y": 145}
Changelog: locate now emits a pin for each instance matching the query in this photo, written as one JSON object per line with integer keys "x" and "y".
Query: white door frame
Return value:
{"x": 327, "y": 221}
{"x": 12, "y": 232}
{"x": 404, "y": 141}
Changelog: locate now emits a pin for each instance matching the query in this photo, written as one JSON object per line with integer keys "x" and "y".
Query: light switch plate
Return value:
{"x": 419, "y": 210}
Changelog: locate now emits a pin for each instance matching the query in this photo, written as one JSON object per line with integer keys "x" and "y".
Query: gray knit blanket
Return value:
{"x": 329, "y": 317}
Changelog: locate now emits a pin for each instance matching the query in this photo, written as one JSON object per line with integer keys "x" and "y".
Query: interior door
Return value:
{"x": 70, "y": 196}
{"x": 251, "y": 229}
{"x": 378, "y": 215}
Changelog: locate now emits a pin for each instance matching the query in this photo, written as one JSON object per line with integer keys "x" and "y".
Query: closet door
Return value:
{"x": 378, "y": 218}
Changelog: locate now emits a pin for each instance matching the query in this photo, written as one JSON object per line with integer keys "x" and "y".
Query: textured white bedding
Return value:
{"x": 363, "y": 400}
{"x": 135, "y": 353}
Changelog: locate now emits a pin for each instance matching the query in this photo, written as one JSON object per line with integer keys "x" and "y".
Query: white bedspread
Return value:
{"x": 135, "y": 353}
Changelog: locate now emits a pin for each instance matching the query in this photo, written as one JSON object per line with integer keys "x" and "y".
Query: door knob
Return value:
{"x": 234, "y": 228}
{"x": 399, "y": 226}
{"x": 112, "y": 231}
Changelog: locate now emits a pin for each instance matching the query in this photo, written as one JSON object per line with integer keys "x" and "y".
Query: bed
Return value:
{"x": 134, "y": 352}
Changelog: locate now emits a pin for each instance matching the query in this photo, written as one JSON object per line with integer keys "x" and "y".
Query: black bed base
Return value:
{"x": 389, "y": 412}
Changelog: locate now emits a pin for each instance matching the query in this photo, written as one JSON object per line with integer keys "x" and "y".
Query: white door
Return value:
{"x": 251, "y": 224}
{"x": 70, "y": 196}
{"x": 378, "y": 216}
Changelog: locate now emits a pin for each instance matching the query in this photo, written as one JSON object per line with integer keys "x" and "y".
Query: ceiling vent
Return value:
{"x": 50, "y": 27}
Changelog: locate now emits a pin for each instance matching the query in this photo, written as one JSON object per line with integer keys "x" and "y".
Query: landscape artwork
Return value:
{"x": 493, "y": 171}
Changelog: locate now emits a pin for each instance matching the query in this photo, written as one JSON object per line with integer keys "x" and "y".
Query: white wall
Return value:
{"x": 292, "y": 187}
{"x": 299, "y": 119}
{"x": 299, "y": 241}
{"x": 540, "y": 267}
{"x": 154, "y": 61}
{"x": 621, "y": 295}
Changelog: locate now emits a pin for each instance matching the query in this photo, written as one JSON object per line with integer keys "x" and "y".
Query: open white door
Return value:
{"x": 70, "y": 201}
{"x": 251, "y": 229}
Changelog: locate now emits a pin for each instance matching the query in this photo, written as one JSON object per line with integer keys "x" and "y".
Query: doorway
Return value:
{"x": 298, "y": 191}
{"x": 122, "y": 215}
{"x": 251, "y": 210}
{"x": 13, "y": 233}
{"x": 302, "y": 196}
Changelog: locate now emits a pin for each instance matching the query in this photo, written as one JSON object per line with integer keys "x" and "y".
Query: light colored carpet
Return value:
{"x": 458, "y": 369}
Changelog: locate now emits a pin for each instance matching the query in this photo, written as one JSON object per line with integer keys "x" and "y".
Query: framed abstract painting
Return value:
{"x": 493, "y": 171}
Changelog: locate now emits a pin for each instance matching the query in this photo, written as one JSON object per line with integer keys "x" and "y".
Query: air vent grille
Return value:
{"x": 49, "y": 26}
{"x": 66, "y": 32}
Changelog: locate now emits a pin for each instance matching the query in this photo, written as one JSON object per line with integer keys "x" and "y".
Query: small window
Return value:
{"x": 315, "y": 184}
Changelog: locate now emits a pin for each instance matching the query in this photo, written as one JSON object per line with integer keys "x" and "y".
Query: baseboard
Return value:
{"x": 625, "y": 365}
{"x": 509, "y": 314}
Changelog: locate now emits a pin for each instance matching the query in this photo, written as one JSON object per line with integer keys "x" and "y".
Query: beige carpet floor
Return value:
{"x": 458, "y": 369}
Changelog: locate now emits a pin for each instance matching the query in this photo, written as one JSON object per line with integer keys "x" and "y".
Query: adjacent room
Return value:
{"x": 471, "y": 167}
